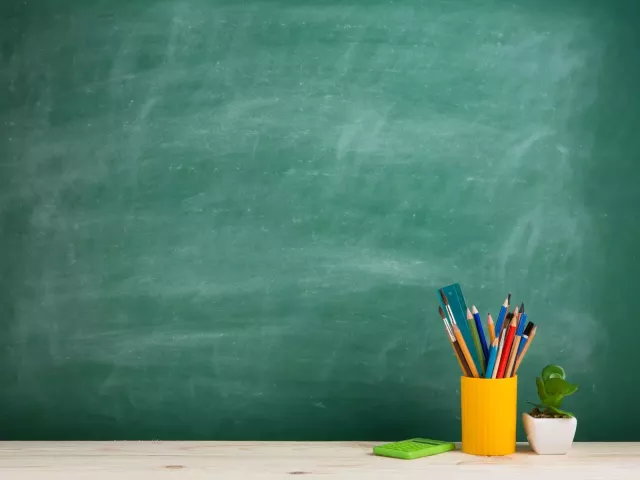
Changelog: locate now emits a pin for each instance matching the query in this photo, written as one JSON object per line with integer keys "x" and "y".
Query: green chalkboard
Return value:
{"x": 227, "y": 220}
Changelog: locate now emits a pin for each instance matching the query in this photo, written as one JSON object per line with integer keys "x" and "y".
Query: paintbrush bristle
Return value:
{"x": 528, "y": 328}
{"x": 522, "y": 307}
{"x": 444, "y": 298}
{"x": 442, "y": 313}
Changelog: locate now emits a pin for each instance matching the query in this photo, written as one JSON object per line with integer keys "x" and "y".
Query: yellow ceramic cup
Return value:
{"x": 489, "y": 415}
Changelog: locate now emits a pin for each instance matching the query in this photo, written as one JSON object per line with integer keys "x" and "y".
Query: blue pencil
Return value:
{"x": 483, "y": 340}
{"x": 501, "y": 315}
{"x": 521, "y": 324}
{"x": 492, "y": 359}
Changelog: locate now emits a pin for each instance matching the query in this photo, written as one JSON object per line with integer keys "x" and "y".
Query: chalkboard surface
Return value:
{"x": 226, "y": 220}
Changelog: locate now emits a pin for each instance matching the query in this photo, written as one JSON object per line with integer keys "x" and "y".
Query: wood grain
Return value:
{"x": 283, "y": 460}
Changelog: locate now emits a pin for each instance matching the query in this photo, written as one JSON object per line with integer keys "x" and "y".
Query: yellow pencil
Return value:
{"x": 491, "y": 328}
{"x": 524, "y": 350}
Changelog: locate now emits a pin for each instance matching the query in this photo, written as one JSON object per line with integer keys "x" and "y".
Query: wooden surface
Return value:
{"x": 267, "y": 460}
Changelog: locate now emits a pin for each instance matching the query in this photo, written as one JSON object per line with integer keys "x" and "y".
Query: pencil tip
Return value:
{"x": 441, "y": 312}
{"x": 469, "y": 316}
{"x": 474, "y": 309}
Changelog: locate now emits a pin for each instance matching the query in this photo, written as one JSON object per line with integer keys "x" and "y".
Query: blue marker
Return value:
{"x": 483, "y": 340}
{"x": 501, "y": 315}
{"x": 492, "y": 359}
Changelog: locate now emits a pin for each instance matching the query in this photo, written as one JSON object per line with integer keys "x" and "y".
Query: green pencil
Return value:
{"x": 476, "y": 341}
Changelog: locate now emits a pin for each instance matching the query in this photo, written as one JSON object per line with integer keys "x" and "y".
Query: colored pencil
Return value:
{"x": 491, "y": 328}
{"x": 521, "y": 324}
{"x": 513, "y": 355}
{"x": 494, "y": 374}
{"x": 492, "y": 358}
{"x": 454, "y": 343}
{"x": 526, "y": 347}
{"x": 483, "y": 339}
{"x": 511, "y": 331}
{"x": 476, "y": 341}
{"x": 502, "y": 315}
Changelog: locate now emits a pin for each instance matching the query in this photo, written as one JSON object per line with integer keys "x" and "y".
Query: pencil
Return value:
{"x": 521, "y": 323}
{"x": 526, "y": 347}
{"x": 512, "y": 356}
{"x": 483, "y": 339}
{"x": 476, "y": 341}
{"x": 492, "y": 358}
{"x": 456, "y": 348}
{"x": 496, "y": 362}
{"x": 501, "y": 315}
{"x": 491, "y": 328}
{"x": 511, "y": 330}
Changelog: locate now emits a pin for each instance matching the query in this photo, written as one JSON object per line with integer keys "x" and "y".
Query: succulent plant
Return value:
{"x": 552, "y": 389}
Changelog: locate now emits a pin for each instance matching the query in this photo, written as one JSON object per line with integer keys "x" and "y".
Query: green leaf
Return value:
{"x": 553, "y": 401}
{"x": 542, "y": 393}
{"x": 559, "y": 386}
{"x": 553, "y": 371}
{"x": 556, "y": 411}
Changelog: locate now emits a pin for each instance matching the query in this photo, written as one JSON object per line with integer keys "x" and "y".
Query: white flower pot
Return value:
{"x": 550, "y": 436}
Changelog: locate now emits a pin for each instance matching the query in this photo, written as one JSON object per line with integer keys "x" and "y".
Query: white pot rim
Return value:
{"x": 536, "y": 419}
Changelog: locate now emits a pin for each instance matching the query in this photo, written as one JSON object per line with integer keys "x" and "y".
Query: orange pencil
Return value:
{"x": 491, "y": 328}
{"x": 507, "y": 347}
{"x": 524, "y": 350}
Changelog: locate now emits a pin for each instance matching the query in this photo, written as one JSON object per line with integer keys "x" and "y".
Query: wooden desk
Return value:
{"x": 305, "y": 460}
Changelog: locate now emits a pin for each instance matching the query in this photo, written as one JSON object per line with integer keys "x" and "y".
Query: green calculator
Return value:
{"x": 413, "y": 448}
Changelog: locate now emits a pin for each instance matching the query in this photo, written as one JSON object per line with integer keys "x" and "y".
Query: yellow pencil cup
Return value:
{"x": 489, "y": 415}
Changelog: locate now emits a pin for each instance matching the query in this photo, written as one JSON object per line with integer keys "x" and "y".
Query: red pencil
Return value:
{"x": 507, "y": 347}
